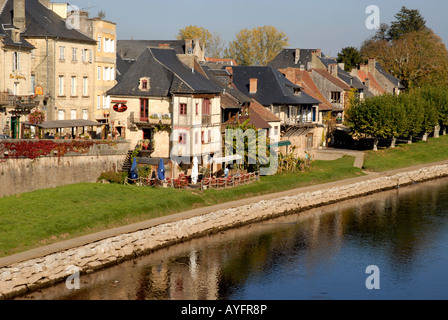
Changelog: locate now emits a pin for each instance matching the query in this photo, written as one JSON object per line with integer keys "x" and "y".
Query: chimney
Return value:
{"x": 46, "y": 3}
{"x": 367, "y": 82}
{"x": 164, "y": 45}
{"x": 229, "y": 70}
{"x": 253, "y": 86}
{"x": 372, "y": 65}
{"x": 297, "y": 56}
{"x": 188, "y": 46}
{"x": 19, "y": 15}
{"x": 230, "y": 79}
{"x": 333, "y": 69}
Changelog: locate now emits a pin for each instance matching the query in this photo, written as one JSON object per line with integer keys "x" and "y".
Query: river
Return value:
{"x": 322, "y": 253}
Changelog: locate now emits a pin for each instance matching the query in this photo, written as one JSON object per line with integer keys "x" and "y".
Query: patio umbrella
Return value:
{"x": 195, "y": 171}
{"x": 161, "y": 170}
{"x": 134, "y": 172}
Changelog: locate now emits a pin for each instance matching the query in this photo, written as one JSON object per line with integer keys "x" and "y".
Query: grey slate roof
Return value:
{"x": 220, "y": 77}
{"x": 41, "y": 22}
{"x": 167, "y": 76}
{"x": 286, "y": 59}
{"x": 389, "y": 77}
{"x": 132, "y": 49}
{"x": 273, "y": 87}
{"x": 6, "y": 23}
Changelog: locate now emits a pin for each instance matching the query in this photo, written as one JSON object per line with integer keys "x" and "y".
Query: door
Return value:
{"x": 309, "y": 141}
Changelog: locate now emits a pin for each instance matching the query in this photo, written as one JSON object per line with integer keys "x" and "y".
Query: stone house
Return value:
{"x": 105, "y": 65}
{"x": 166, "y": 102}
{"x": 16, "y": 79}
{"x": 62, "y": 62}
{"x": 300, "y": 119}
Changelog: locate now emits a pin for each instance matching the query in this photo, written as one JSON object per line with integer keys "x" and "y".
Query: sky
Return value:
{"x": 329, "y": 25}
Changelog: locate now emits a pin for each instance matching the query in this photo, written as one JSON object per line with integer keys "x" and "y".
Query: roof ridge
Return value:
{"x": 165, "y": 66}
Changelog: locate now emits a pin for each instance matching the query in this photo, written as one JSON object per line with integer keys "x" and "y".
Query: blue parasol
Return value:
{"x": 161, "y": 170}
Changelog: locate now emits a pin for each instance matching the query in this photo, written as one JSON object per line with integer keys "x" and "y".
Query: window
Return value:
{"x": 84, "y": 55}
{"x": 336, "y": 97}
{"x": 74, "y": 54}
{"x": 85, "y": 86}
{"x": 61, "y": 53}
{"x": 73, "y": 86}
{"x": 145, "y": 85}
{"x": 85, "y": 114}
{"x": 16, "y": 61}
{"x": 106, "y": 73}
{"x": 112, "y": 74}
{"x": 90, "y": 55}
{"x": 61, "y": 114}
{"x": 112, "y": 46}
{"x": 33, "y": 54}
{"x": 16, "y": 89}
{"x": 33, "y": 82}
{"x": 98, "y": 102}
{"x": 209, "y": 136}
{"x": 98, "y": 70}
{"x": 183, "y": 109}
{"x": 61, "y": 85}
{"x": 197, "y": 108}
{"x": 182, "y": 138}
{"x": 144, "y": 109}
{"x": 206, "y": 107}
{"x": 73, "y": 114}
{"x": 99, "y": 44}
{"x": 196, "y": 138}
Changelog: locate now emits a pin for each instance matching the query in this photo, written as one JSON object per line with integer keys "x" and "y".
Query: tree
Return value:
{"x": 408, "y": 20}
{"x": 213, "y": 43}
{"x": 351, "y": 57}
{"x": 257, "y": 46}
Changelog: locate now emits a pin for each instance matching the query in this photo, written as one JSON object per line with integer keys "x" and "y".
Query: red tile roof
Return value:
{"x": 374, "y": 84}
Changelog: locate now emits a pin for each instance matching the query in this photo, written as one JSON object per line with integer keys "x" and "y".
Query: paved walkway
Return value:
{"x": 333, "y": 154}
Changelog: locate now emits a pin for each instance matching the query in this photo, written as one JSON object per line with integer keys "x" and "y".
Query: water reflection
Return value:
{"x": 318, "y": 254}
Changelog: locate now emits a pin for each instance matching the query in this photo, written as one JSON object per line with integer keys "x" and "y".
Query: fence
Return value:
{"x": 185, "y": 181}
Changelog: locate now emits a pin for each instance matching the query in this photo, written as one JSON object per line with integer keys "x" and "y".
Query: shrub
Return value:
{"x": 113, "y": 177}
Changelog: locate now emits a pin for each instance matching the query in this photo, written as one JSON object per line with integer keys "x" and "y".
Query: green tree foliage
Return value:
{"x": 257, "y": 46}
{"x": 409, "y": 50}
{"x": 408, "y": 20}
{"x": 351, "y": 57}
{"x": 411, "y": 114}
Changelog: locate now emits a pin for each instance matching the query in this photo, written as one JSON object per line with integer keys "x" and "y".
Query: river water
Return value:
{"x": 323, "y": 253}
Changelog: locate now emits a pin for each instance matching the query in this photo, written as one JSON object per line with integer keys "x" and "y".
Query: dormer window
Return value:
{"x": 144, "y": 84}
{"x": 15, "y": 35}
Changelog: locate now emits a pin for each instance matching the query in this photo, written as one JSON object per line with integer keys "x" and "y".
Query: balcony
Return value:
{"x": 22, "y": 104}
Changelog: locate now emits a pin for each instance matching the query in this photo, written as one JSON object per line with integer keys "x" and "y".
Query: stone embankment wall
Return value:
{"x": 42, "y": 271}
{"x": 25, "y": 175}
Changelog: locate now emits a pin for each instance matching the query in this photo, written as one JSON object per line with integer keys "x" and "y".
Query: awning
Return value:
{"x": 227, "y": 159}
{"x": 280, "y": 144}
{"x": 55, "y": 124}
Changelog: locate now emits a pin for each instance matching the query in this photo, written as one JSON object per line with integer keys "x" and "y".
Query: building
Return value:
{"x": 62, "y": 61}
{"x": 166, "y": 105}
{"x": 104, "y": 65}
{"x": 17, "y": 82}
{"x": 300, "y": 118}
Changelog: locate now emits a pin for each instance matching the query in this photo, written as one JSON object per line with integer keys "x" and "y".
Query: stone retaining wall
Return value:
{"x": 25, "y": 175}
{"x": 32, "y": 274}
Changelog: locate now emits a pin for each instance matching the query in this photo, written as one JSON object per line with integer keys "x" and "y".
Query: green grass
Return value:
{"x": 405, "y": 155}
{"x": 42, "y": 217}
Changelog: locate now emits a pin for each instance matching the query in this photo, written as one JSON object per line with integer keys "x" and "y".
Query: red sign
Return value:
{"x": 119, "y": 107}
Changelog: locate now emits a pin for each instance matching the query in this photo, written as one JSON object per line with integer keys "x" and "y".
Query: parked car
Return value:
{"x": 4, "y": 136}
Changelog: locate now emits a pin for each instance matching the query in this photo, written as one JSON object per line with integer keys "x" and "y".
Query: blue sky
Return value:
{"x": 326, "y": 24}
